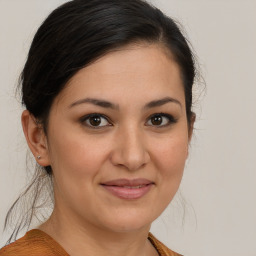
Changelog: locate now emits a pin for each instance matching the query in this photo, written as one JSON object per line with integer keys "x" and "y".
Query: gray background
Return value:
{"x": 218, "y": 191}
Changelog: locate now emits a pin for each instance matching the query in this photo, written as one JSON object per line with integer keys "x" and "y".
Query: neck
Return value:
{"x": 88, "y": 239}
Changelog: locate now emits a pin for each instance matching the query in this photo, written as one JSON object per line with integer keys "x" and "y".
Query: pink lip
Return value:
{"x": 128, "y": 189}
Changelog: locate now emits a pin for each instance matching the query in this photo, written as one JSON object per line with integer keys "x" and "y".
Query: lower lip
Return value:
{"x": 128, "y": 193}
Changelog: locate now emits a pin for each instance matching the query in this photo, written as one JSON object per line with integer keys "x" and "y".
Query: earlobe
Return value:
{"x": 36, "y": 138}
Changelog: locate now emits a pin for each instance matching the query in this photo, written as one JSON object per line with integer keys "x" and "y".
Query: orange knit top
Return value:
{"x": 38, "y": 243}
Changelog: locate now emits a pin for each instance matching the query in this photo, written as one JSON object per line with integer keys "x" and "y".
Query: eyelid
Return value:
{"x": 171, "y": 119}
{"x": 86, "y": 117}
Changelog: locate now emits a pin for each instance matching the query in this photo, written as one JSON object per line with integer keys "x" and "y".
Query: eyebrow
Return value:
{"x": 107, "y": 104}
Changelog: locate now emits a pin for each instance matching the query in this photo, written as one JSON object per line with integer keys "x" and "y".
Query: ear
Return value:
{"x": 36, "y": 138}
{"x": 191, "y": 126}
{"x": 190, "y": 130}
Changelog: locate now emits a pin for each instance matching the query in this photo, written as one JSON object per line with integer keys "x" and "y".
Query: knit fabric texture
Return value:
{"x": 38, "y": 243}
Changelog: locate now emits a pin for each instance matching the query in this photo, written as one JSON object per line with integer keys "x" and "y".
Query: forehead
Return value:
{"x": 137, "y": 72}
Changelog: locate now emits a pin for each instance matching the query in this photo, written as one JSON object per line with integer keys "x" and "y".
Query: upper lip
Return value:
{"x": 128, "y": 182}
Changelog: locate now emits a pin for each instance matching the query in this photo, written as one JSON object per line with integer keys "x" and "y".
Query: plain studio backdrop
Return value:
{"x": 214, "y": 213}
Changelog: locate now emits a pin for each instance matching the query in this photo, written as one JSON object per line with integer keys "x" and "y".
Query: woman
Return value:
{"x": 107, "y": 88}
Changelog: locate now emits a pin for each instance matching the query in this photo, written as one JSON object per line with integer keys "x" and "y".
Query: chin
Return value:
{"x": 126, "y": 227}
{"x": 129, "y": 221}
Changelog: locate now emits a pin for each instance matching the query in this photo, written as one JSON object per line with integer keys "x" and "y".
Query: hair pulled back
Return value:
{"x": 81, "y": 31}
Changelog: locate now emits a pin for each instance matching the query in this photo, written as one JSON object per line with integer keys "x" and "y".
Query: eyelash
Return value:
{"x": 171, "y": 119}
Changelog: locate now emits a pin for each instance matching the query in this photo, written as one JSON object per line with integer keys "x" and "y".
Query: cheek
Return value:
{"x": 76, "y": 163}
{"x": 75, "y": 156}
{"x": 171, "y": 156}
{"x": 172, "y": 151}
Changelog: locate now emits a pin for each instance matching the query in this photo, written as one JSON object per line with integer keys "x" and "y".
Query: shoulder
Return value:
{"x": 161, "y": 248}
{"x": 34, "y": 243}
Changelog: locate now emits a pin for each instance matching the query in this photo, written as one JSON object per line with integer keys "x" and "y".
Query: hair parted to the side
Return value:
{"x": 72, "y": 37}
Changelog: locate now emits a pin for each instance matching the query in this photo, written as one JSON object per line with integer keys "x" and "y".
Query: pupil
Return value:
{"x": 157, "y": 120}
{"x": 95, "y": 120}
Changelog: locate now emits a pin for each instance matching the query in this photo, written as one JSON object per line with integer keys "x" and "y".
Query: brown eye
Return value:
{"x": 95, "y": 121}
{"x": 161, "y": 120}
{"x": 156, "y": 120}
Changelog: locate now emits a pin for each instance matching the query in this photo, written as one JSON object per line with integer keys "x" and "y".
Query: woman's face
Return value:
{"x": 118, "y": 139}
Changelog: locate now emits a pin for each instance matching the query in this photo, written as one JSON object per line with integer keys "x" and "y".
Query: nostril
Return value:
{"x": 129, "y": 151}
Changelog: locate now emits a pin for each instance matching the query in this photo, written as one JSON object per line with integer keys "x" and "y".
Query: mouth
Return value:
{"x": 128, "y": 189}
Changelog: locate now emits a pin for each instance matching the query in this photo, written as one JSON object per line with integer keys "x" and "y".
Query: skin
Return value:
{"x": 87, "y": 219}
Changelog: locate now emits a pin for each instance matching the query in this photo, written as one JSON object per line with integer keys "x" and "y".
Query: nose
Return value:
{"x": 130, "y": 150}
